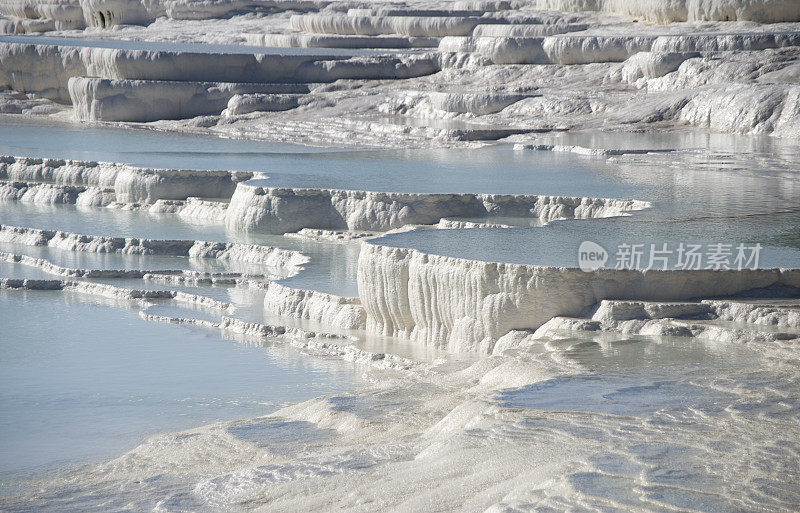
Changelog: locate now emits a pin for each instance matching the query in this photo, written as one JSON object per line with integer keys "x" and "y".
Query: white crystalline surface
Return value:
{"x": 725, "y": 66}
{"x": 420, "y": 270}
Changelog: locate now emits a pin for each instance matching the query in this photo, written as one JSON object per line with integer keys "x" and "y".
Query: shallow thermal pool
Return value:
{"x": 86, "y": 379}
{"x": 486, "y": 170}
{"x": 557, "y": 244}
{"x": 332, "y": 266}
{"x": 696, "y": 197}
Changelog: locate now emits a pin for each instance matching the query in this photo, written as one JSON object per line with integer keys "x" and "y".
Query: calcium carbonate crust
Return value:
{"x": 113, "y": 292}
{"x": 326, "y": 309}
{"x": 245, "y": 207}
{"x": 659, "y": 11}
{"x": 467, "y": 305}
{"x": 282, "y": 210}
{"x": 285, "y": 262}
{"x": 47, "y": 69}
{"x": 77, "y": 14}
{"x": 165, "y": 276}
{"x": 611, "y": 72}
{"x": 111, "y": 182}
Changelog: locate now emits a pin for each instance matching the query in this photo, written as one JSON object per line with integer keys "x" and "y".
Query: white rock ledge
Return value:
{"x": 320, "y": 307}
{"x": 764, "y": 11}
{"x": 527, "y": 30}
{"x": 113, "y": 292}
{"x": 80, "y": 14}
{"x": 323, "y": 344}
{"x": 195, "y": 210}
{"x": 568, "y": 49}
{"x": 288, "y": 262}
{"x": 339, "y": 41}
{"x": 247, "y": 103}
{"x": 125, "y": 183}
{"x": 739, "y": 321}
{"x": 765, "y": 314}
{"x": 46, "y": 69}
{"x": 412, "y": 26}
{"x": 281, "y": 210}
{"x": 96, "y": 99}
{"x": 51, "y": 268}
{"x": 467, "y": 305}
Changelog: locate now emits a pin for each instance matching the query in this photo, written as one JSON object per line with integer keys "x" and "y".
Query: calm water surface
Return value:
{"x": 85, "y": 379}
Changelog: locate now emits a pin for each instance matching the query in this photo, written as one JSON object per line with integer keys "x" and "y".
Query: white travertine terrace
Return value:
{"x": 272, "y": 210}
{"x": 196, "y": 209}
{"x": 467, "y": 305}
{"x": 314, "y": 342}
{"x": 585, "y": 49}
{"x": 78, "y": 14}
{"x": 411, "y": 12}
{"x": 288, "y": 261}
{"x": 122, "y": 183}
{"x": 326, "y": 309}
{"x": 764, "y": 11}
{"x": 282, "y": 210}
{"x": 320, "y": 235}
{"x": 647, "y": 65}
{"x": 608, "y": 68}
{"x": 411, "y": 26}
{"x": 339, "y": 41}
{"x": 96, "y": 99}
{"x": 51, "y": 268}
{"x": 51, "y": 15}
{"x": 502, "y": 64}
{"x": 764, "y": 313}
{"x": 247, "y": 103}
{"x": 761, "y": 312}
{"x": 527, "y": 30}
{"x": 478, "y": 104}
{"x": 47, "y": 69}
{"x": 165, "y": 276}
{"x": 48, "y": 194}
{"x": 112, "y": 291}
{"x": 718, "y": 321}
{"x": 763, "y": 109}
